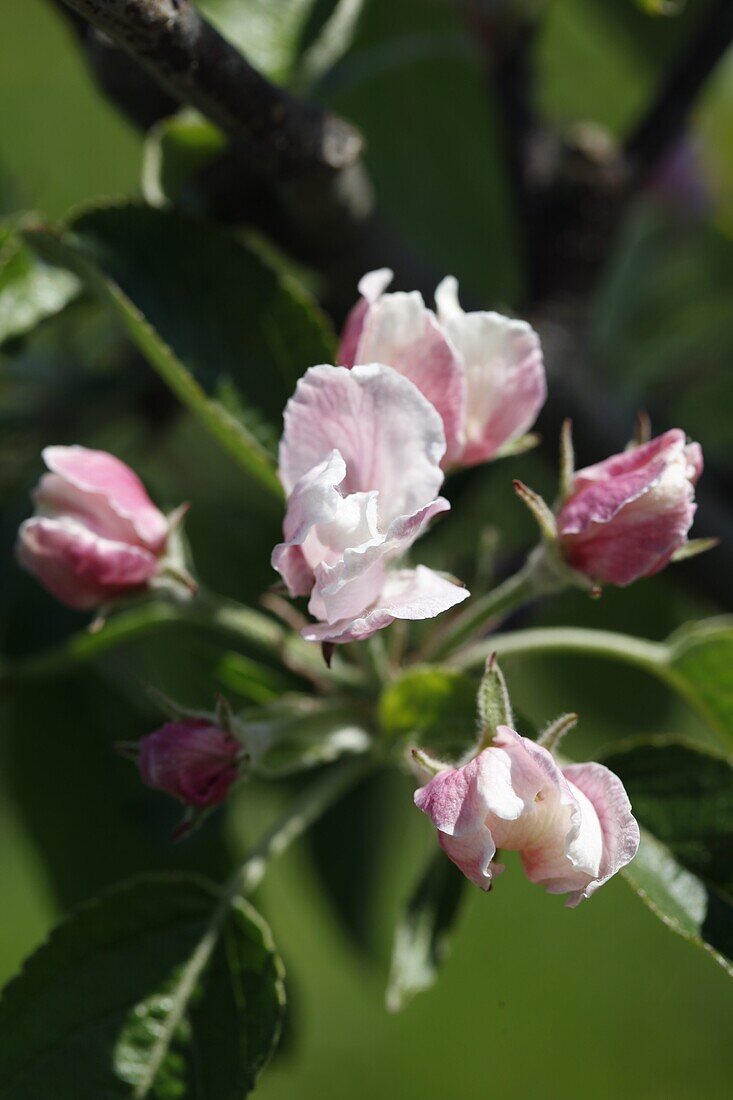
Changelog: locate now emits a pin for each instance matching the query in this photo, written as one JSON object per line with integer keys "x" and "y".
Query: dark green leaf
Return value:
{"x": 30, "y": 291}
{"x": 89, "y": 1015}
{"x": 682, "y": 797}
{"x": 204, "y": 310}
{"x": 422, "y": 937}
{"x": 701, "y": 665}
{"x": 432, "y": 707}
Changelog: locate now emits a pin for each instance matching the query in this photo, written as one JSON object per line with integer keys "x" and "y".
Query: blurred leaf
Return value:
{"x": 203, "y": 309}
{"x": 332, "y": 42}
{"x": 82, "y": 806}
{"x": 143, "y": 987}
{"x": 414, "y": 82}
{"x": 422, "y": 937}
{"x": 662, "y": 7}
{"x": 701, "y": 664}
{"x": 683, "y": 799}
{"x": 306, "y": 735}
{"x": 433, "y": 707}
{"x": 30, "y": 291}
{"x": 351, "y": 835}
{"x": 267, "y": 33}
{"x": 175, "y": 150}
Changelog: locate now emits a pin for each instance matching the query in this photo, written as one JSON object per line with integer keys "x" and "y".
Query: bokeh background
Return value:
{"x": 535, "y": 999}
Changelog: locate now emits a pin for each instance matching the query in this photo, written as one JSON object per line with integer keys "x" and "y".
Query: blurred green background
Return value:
{"x": 535, "y": 1000}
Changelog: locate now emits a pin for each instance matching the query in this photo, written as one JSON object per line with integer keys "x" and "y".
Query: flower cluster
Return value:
{"x": 365, "y": 449}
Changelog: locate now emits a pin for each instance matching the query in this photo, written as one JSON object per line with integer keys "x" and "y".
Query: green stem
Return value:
{"x": 534, "y": 579}
{"x": 241, "y": 624}
{"x": 652, "y": 656}
{"x": 299, "y": 816}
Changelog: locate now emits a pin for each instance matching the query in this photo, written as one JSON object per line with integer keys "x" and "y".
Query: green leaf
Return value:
{"x": 204, "y": 310}
{"x": 267, "y": 33}
{"x": 306, "y": 736}
{"x": 422, "y": 936}
{"x": 334, "y": 39}
{"x": 682, "y": 797}
{"x": 30, "y": 291}
{"x": 700, "y": 663}
{"x": 433, "y": 707}
{"x": 175, "y": 150}
{"x": 94, "y": 1013}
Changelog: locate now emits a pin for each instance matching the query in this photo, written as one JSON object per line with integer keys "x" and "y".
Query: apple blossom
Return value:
{"x": 96, "y": 534}
{"x": 483, "y": 372}
{"x": 360, "y": 463}
{"x": 627, "y": 516}
{"x": 572, "y": 827}
{"x": 190, "y": 759}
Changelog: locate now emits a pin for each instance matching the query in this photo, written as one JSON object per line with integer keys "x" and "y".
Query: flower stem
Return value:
{"x": 535, "y": 578}
{"x": 652, "y": 656}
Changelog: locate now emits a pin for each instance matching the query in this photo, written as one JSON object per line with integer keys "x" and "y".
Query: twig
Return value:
{"x": 185, "y": 53}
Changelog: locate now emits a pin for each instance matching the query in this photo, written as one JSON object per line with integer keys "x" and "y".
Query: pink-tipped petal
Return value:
{"x": 389, "y": 435}
{"x": 106, "y": 489}
{"x": 619, "y": 829}
{"x": 400, "y": 332}
{"x": 78, "y": 567}
{"x": 504, "y": 372}
{"x": 371, "y": 287}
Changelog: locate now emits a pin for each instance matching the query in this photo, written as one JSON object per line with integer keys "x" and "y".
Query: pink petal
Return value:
{"x": 103, "y": 487}
{"x": 400, "y": 332}
{"x": 78, "y": 567}
{"x": 371, "y": 286}
{"x": 504, "y": 372}
{"x": 619, "y": 828}
{"x": 601, "y": 491}
{"x": 389, "y": 435}
{"x": 407, "y": 594}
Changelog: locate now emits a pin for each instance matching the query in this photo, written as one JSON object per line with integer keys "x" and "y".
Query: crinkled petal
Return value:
{"x": 407, "y": 594}
{"x": 504, "y": 373}
{"x": 390, "y": 437}
{"x": 350, "y": 585}
{"x": 78, "y": 567}
{"x": 313, "y": 500}
{"x": 399, "y": 331}
{"x": 619, "y": 828}
{"x": 99, "y": 488}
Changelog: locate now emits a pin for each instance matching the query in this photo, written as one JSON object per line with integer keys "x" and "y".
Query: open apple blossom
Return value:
{"x": 482, "y": 371}
{"x": 360, "y": 462}
{"x": 573, "y": 826}
{"x": 96, "y": 535}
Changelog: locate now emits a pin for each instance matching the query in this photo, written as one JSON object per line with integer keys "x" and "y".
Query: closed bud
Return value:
{"x": 192, "y": 760}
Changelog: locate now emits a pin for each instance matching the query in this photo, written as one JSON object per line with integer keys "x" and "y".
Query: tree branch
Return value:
{"x": 287, "y": 136}
{"x": 665, "y": 121}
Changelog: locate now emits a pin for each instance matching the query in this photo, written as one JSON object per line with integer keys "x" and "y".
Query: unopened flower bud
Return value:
{"x": 96, "y": 535}
{"x": 191, "y": 760}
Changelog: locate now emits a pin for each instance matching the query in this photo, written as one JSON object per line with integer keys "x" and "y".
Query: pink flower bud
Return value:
{"x": 627, "y": 516}
{"x": 572, "y": 827}
{"x": 482, "y": 372}
{"x": 96, "y": 535}
{"x": 191, "y": 760}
